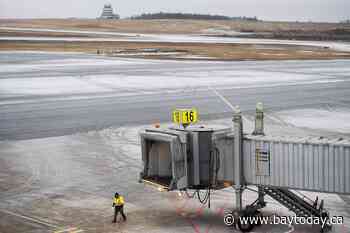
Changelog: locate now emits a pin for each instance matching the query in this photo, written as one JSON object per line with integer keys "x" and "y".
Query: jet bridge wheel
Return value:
{"x": 245, "y": 227}
{"x": 328, "y": 226}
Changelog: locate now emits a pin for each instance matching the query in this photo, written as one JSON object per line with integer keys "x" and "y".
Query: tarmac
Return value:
{"x": 69, "y": 135}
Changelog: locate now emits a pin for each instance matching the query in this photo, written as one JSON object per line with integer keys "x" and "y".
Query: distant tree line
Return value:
{"x": 162, "y": 15}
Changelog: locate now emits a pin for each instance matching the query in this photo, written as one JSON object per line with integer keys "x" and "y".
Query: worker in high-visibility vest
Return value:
{"x": 118, "y": 204}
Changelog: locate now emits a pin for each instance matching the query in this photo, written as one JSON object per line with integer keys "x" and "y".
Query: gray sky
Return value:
{"x": 303, "y": 10}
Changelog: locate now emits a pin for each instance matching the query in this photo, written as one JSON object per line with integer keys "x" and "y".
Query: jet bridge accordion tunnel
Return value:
{"x": 217, "y": 157}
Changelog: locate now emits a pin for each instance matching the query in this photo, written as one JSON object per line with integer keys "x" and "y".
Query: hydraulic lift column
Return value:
{"x": 238, "y": 157}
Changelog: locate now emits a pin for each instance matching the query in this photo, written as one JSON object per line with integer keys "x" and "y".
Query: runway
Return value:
{"x": 48, "y": 94}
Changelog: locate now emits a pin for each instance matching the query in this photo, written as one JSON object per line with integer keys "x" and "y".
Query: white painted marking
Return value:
{"x": 66, "y": 230}
{"x": 223, "y": 98}
{"x": 30, "y": 219}
{"x": 80, "y": 230}
{"x": 70, "y": 230}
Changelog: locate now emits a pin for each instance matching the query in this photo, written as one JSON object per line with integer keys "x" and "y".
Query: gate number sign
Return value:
{"x": 185, "y": 116}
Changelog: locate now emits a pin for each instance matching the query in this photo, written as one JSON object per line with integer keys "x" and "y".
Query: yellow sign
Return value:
{"x": 185, "y": 116}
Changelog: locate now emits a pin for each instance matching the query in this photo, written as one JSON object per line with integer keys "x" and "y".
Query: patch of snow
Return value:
{"x": 69, "y": 31}
{"x": 52, "y": 86}
{"x": 147, "y": 54}
{"x": 340, "y": 46}
{"x": 174, "y": 81}
{"x": 71, "y": 62}
{"x": 336, "y": 120}
{"x": 197, "y": 57}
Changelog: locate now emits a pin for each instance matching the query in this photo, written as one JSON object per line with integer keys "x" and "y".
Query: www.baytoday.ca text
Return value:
{"x": 229, "y": 220}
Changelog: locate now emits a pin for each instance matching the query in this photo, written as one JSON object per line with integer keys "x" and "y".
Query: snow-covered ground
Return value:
{"x": 83, "y": 32}
{"x": 340, "y": 46}
{"x": 189, "y": 79}
{"x": 335, "y": 120}
{"x": 149, "y": 85}
{"x": 82, "y": 171}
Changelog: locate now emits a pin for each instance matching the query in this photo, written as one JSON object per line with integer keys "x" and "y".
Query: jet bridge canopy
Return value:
{"x": 165, "y": 158}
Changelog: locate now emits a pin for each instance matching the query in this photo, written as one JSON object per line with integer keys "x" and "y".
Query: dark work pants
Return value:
{"x": 119, "y": 209}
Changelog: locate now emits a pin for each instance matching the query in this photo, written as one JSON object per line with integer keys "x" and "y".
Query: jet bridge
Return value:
{"x": 315, "y": 164}
{"x": 178, "y": 159}
{"x": 212, "y": 157}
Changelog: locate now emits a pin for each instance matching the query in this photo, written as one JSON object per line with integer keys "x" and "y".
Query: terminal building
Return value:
{"x": 107, "y": 12}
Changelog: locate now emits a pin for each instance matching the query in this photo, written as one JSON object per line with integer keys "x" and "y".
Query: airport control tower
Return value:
{"x": 107, "y": 12}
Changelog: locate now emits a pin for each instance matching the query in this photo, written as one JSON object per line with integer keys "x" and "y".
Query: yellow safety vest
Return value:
{"x": 119, "y": 201}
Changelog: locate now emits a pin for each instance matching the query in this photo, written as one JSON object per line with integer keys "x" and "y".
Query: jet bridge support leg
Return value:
{"x": 238, "y": 175}
{"x": 238, "y": 158}
{"x": 238, "y": 200}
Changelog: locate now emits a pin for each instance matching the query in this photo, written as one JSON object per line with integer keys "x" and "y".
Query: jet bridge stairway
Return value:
{"x": 301, "y": 206}
{"x": 295, "y": 203}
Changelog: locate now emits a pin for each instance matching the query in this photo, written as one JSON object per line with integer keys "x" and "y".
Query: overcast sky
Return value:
{"x": 303, "y": 10}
